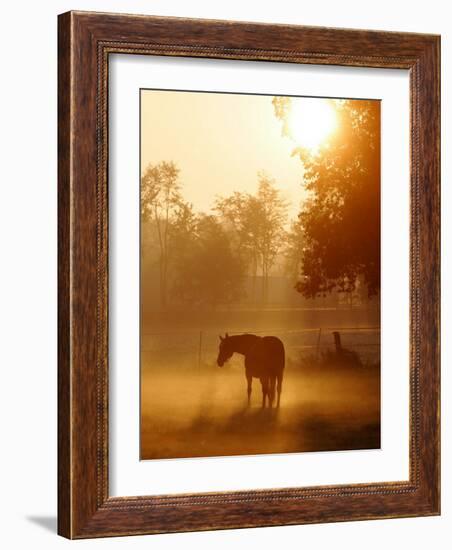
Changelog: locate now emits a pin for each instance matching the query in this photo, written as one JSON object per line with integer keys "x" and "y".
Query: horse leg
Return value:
{"x": 264, "y": 382}
{"x": 249, "y": 380}
{"x": 279, "y": 388}
{"x": 271, "y": 392}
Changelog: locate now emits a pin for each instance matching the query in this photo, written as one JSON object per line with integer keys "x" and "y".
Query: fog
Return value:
{"x": 205, "y": 413}
{"x": 256, "y": 217}
{"x": 191, "y": 407}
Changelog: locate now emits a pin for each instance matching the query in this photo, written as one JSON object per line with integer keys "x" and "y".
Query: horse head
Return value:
{"x": 225, "y": 350}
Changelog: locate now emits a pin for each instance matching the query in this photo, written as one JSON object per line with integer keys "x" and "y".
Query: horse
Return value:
{"x": 264, "y": 359}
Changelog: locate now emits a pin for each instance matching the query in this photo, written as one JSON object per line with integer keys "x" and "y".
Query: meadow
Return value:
{"x": 191, "y": 407}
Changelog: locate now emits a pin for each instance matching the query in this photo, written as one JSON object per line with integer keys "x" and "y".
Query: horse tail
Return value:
{"x": 282, "y": 356}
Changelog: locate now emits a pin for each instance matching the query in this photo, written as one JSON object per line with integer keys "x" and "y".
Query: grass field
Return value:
{"x": 191, "y": 407}
{"x": 190, "y": 410}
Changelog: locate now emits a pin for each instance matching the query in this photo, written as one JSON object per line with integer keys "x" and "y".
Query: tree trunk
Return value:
{"x": 162, "y": 267}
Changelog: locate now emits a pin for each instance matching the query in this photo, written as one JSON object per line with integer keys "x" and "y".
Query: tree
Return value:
{"x": 237, "y": 213}
{"x": 207, "y": 272}
{"x": 340, "y": 221}
{"x": 257, "y": 222}
{"x": 293, "y": 251}
{"x": 270, "y": 215}
{"x": 161, "y": 203}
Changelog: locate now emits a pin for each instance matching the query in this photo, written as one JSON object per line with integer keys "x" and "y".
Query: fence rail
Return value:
{"x": 201, "y": 347}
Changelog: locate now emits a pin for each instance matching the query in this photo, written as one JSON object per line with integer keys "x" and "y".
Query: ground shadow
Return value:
{"x": 49, "y": 523}
{"x": 204, "y": 413}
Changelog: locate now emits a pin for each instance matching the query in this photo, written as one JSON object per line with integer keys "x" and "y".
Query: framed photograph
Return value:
{"x": 248, "y": 275}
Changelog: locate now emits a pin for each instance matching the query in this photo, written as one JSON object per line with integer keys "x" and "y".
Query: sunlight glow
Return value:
{"x": 311, "y": 121}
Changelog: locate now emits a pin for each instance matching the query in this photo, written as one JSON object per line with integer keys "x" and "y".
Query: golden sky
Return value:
{"x": 220, "y": 142}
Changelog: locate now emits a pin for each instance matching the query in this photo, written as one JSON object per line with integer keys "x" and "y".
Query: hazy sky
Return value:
{"x": 220, "y": 142}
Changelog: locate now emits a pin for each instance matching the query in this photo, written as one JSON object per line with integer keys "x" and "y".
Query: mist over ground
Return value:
{"x": 191, "y": 407}
{"x": 259, "y": 215}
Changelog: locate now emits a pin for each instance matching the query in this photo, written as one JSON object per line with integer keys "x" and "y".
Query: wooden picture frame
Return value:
{"x": 85, "y": 42}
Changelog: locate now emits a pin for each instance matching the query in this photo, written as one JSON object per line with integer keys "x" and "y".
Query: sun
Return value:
{"x": 311, "y": 121}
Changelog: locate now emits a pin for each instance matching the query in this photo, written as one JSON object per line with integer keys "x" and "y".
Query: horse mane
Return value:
{"x": 242, "y": 342}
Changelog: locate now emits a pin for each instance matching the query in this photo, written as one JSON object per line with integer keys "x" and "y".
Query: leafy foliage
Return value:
{"x": 258, "y": 223}
{"x": 194, "y": 252}
{"x": 207, "y": 272}
{"x": 340, "y": 221}
{"x": 162, "y": 204}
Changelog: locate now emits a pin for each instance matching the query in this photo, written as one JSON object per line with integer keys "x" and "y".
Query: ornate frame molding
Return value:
{"x": 85, "y": 42}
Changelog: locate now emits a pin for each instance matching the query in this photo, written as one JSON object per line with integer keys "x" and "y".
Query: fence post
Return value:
{"x": 318, "y": 342}
{"x": 200, "y": 349}
{"x": 337, "y": 342}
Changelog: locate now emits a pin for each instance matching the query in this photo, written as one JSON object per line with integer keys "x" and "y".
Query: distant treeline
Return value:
{"x": 232, "y": 254}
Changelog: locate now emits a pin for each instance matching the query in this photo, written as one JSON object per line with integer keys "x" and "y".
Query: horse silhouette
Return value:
{"x": 264, "y": 359}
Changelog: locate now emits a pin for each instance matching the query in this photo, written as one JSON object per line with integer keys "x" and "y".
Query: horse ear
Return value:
{"x": 227, "y": 335}
{"x": 220, "y": 337}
